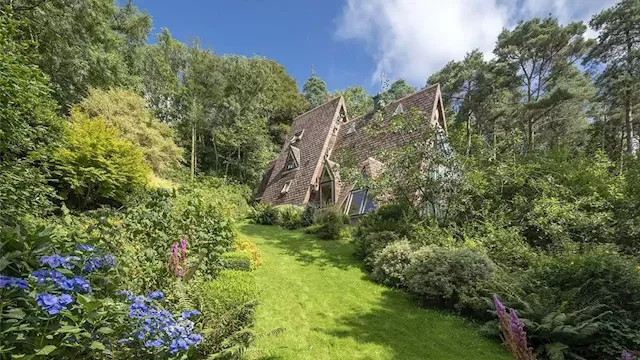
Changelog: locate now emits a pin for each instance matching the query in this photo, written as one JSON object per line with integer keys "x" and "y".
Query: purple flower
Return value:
{"x": 53, "y": 304}
{"x": 156, "y": 295}
{"x": 627, "y": 356}
{"x": 517, "y": 328}
{"x": 13, "y": 282}
{"x": 499, "y": 306}
{"x": 78, "y": 283}
{"x": 99, "y": 262}
{"x": 83, "y": 247}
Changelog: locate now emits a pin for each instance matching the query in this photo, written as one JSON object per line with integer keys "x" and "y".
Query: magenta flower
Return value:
{"x": 178, "y": 256}
{"x": 513, "y": 335}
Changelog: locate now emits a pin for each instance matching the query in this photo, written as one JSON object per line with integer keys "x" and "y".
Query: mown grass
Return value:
{"x": 316, "y": 303}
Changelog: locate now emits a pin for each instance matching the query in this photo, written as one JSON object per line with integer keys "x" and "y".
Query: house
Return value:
{"x": 307, "y": 172}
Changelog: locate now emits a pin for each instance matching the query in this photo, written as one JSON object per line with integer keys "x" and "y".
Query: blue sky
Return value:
{"x": 355, "y": 42}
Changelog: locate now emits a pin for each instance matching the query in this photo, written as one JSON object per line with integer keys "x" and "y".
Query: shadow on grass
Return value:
{"x": 305, "y": 248}
{"x": 410, "y": 332}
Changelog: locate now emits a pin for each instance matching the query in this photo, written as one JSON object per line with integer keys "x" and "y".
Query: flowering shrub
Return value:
{"x": 513, "y": 335}
{"x": 156, "y": 331}
{"x": 55, "y": 311}
{"x": 178, "y": 257}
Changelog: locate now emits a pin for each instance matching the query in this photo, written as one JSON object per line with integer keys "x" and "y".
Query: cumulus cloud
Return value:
{"x": 412, "y": 39}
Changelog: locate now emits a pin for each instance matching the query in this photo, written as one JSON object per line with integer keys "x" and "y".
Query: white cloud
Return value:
{"x": 412, "y": 39}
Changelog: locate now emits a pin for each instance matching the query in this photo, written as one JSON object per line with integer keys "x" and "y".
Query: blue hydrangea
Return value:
{"x": 155, "y": 327}
{"x": 13, "y": 282}
{"x": 99, "y": 262}
{"x": 77, "y": 284}
{"x": 156, "y": 295}
{"x": 53, "y": 304}
{"x": 85, "y": 248}
{"x": 57, "y": 261}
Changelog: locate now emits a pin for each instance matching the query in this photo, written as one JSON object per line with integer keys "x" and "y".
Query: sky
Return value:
{"x": 356, "y": 42}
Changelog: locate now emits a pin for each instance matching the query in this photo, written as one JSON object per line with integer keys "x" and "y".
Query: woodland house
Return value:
{"x": 307, "y": 172}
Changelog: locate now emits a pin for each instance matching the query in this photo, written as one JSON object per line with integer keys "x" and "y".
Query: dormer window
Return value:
{"x": 297, "y": 136}
{"x": 399, "y": 110}
{"x": 293, "y": 159}
{"x": 352, "y": 128}
{"x": 286, "y": 187}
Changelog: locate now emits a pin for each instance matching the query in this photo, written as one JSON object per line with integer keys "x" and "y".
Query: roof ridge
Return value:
{"x": 398, "y": 100}
{"x": 319, "y": 106}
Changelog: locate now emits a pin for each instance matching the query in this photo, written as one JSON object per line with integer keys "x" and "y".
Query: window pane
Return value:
{"x": 326, "y": 195}
{"x": 356, "y": 202}
{"x": 368, "y": 206}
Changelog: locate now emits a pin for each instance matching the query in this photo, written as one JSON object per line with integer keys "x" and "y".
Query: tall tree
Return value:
{"x": 618, "y": 48}
{"x": 84, "y": 43}
{"x": 471, "y": 89}
{"x": 315, "y": 90}
{"x": 540, "y": 53}
{"x": 357, "y": 100}
{"x": 398, "y": 89}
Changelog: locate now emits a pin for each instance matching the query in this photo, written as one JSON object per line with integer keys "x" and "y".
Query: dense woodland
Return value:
{"x": 112, "y": 149}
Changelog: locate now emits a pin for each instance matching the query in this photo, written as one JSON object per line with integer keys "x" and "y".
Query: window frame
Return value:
{"x": 286, "y": 187}
{"x": 362, "y": 205}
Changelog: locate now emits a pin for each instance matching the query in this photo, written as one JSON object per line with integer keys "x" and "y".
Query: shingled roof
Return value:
{"x": 318, "y": 125}
{"x": 327, "y": 134}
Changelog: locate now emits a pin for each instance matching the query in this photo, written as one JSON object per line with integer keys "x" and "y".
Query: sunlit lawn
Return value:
{"x": 316, "y": 303}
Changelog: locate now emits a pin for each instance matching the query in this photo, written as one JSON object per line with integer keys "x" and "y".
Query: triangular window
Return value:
{"x": 293, "y": 159}
{"x": 399, "y": 110}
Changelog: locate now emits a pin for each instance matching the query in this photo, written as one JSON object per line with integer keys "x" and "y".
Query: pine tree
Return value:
{"x": 315, "y": 90}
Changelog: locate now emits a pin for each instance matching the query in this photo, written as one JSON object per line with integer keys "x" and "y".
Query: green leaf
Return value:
{"x": 68, "y": 329}
{"x": 15, "y": 313}
{"x": 46, "y": 350}
{"x": 105, "y": 330}
{"x": 96, "y": 345}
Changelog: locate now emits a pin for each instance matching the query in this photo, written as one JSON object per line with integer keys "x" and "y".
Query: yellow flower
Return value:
{"x": 638, "y": 267}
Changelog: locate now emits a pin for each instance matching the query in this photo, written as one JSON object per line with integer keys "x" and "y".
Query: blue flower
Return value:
{"x": 128, "y": 294}
{"x": 156, "y": 295}
{"x": 177, "y": 345}
{"x": 99, "y": 262}
{"x": 13, "y": 282}
{"x": 78, "y": 283}
{"x": 56, "y": 261}
{"x": 53, "y": 304}
{"x": 189, "y": 313}
{"x": 155, "y": 343}
{"x": 83, "y": 247}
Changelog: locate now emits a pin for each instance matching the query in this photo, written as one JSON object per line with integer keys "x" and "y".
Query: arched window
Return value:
{"x": 326, "y": 188}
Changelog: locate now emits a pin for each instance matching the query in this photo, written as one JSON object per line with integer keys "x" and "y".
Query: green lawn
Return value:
{"x": 315, "y": 292}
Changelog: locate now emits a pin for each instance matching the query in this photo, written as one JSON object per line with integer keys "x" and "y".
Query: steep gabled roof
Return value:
{"x": 317, "y": 124}
{"x": 364, "y": 144}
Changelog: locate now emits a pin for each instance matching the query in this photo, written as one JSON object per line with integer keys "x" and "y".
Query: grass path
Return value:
{"x": 315, "y": 291}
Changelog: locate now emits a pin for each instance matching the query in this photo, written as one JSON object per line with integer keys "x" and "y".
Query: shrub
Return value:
{"x": 23, "y": 191}
{"x": 368, "y": 244}
{"x": 308, "y": 216}
{"x": 129, "y": 114}
{"x": 228, "y": 198}
{"x": 290, "y": 216}
{"x": 95, "y": 166}
{"x": 228, "y": 305}
{"x": 330, "y": 224}
{"x": 449, "y": 278}
{"x": 506, "y": 246}
{"x": 236, "y": 261}
{"x": 390, "y": 264}
{"x": 246, "y": 246}
{"x": 569, "y": 283}
{"x": 266, "y": 214}
{"x": 388, "y": 217}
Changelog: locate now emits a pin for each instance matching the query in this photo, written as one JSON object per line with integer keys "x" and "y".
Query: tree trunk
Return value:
{"x": 628, "y": 119}
{"x": 193, "y": 149}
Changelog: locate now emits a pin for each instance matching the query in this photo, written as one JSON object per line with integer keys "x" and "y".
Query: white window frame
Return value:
{"x": 286, "y": 187}
{"x": 362, "y": 204}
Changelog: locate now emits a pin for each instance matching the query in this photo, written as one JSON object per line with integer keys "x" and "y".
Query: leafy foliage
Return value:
{"x": 129, "y": 113}
{"x": 95, "y": 166}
